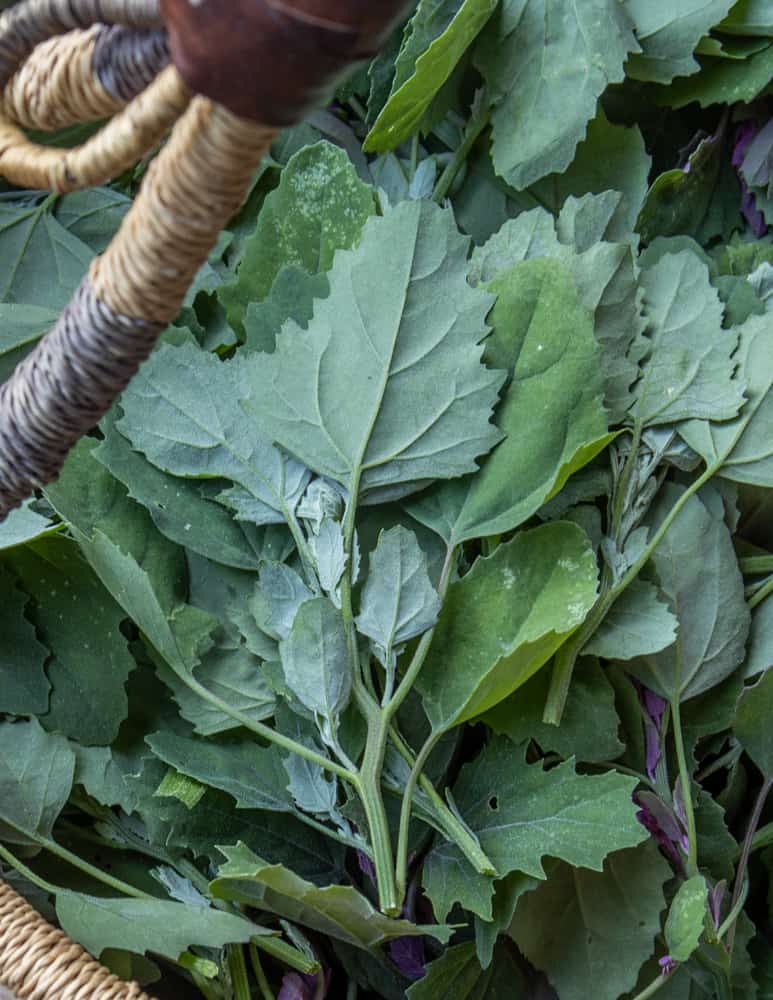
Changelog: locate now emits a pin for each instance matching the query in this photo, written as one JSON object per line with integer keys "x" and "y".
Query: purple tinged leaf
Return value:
{"x": 407, "y": 953}
{"x": 716, "y": 895}
{"x": 654, "y": 708}
{"x": 366, "y": 866}
{"x": 294, "y": 988}
{"x": 661, "y": 822}
{"x": 744, "y": 136}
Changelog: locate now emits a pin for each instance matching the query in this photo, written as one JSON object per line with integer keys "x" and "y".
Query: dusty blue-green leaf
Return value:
{"x": 387, "y": 386}
{"x": 742, "y": 449}
{"x": 752, "y": 723}
{"x": 328, "y": 550}
{"x": 338, "y": 911}
{"x": 36, "y": 772}
{"x": 698, "y": 574}
{"x": 688, "y": 372}
{"x": 507, "y": 892}
{"x": 669, "y": 35}
{"x": 583, "y": 927}
{"x": 410, "y": 100}
{"x": 312, "y": 789}
{"x": 759, "y": 653}
{"x": 505, "y": 619}
{"x": 398, "y": 601}
{"x": 24, "y": 687}
{"x": 639, "y": 623}
{"x": 21, "y": 326}
{"x": 180, "y": 889}
{"x": 546, "y": 65}
{"x": 24, "y": 525}
{"x": 319, "y": 207}
{"x": 522, "y": 813}
{"x": 749, "y": 17}
{"x": 160, "y": 926}
{"x": 315, "y": 658}
{"x": 182, "y": 411}
{"x": 291, "y": 297}
{"x": 458, "y": 975}
{"x": 720, "y": 81}
{"x": 93, "y": 215}
{"x": 283, "y": 591}
{"x": 686, "y": 918}
{"x": 253, "y": 775}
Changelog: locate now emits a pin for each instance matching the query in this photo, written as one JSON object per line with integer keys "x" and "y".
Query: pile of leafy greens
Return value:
{"x": 406, "y": 629}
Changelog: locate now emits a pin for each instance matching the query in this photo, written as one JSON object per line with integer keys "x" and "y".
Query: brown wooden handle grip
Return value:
{"x": 273, "y": 60}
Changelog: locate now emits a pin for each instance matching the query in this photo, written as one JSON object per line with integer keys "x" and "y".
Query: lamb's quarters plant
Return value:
{"x": 406, "y": 629}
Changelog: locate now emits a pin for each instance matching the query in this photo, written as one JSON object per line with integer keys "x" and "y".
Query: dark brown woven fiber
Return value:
{"x": 126, "y": 60}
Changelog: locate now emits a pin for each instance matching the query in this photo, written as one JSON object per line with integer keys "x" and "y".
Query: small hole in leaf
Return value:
{"x": 493, "y": 803}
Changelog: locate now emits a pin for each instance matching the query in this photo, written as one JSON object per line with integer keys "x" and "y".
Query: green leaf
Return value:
{"x": 398, "y": 601}
{"x": 93, "y": 215}
{"x": 688, "y": 372}
{"x": 24, "y": 525}
{"x": 337, "y": 911}
{"x": 36, "y": 773}
{"x": 545, "y": 67}
{"x": 393, "y": 356}
{"x": 457, "y": 975}
{"x": 80, "y": 623}
{"x": 319, "y": 207}
{"x": 507, "y": 892}
{"x": 584, "y": 927}
{"x": 638, "y": 624}
{"x": 505, "y": 619}
{"x": 749, "y": 17}
{"x": 720, "y": 81}
{"x": 21, "y": 326}
{"x": 521, "y": 813}
{"x": 686, "y": 918}
{"x": 253, "y": 775}
{"x": 292, "y": 297}
{"x": 589, "y": 725}
{"x": 699, "y": 576}
{"x": 759, "y": 654}
{"x": 410, "y": 100}
{"x": 669, "y": 36}
{"x": 742, "y": 449}
{"x": 24, "y": 687}
{"x": 315, "y": 659}
{"x": 162, "y": 927}
{"x": 752, "y": 723}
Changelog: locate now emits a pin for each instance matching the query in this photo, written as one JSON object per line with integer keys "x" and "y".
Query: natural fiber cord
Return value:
{"x": 39, "y": 962}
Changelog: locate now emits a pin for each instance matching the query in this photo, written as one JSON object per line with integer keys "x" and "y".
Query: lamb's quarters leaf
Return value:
{"x": 41, "y": 261}
{"x": 717, "y": 848}
{"x": 546, "y": 65}
{"x": 24, "y": 687}
{"x": 253, "y": 775}
{"x": 743, "y": 448}
{"x": 610, "y": 158}
{"x": 720, "y": 81}
{"x": 386, "y": 387}
{"x": 79, "y": 622}
{"x": 313, "y": 791}
{"x": 36, "y": 773}
{"x": 21, "y": 326}
{"x": 589, "y": 725}
{"x": 180, "y": 511}
{"x": 640, "y": 622}
{"x": 522, "y": 813}
{"x": 505, "y": 619}
{"x": 291, "y": 298}
{"x": 507, "y": 892}
{"x": 182, "y": 410}
{"x": 713, "y": 711}
{"x": 339, "y": 911}
{"x": 699, "y": 576}
{"x": 315, "y": 659}
{"x": 24, "y": 525}
{"x": 668, "y": 36}
{"x": 93, "y": 215}
{"x": 583, "y": 927}
{"x": 759, "y": 653}
{"x": 458, "y": 975}
{"x": 398, "y": 601}
{"x": 410, "y": 100}
{"x": 688, "y": 371}
{"x": 686, "y": 918}
{"x": 319, "y": 207}
{"x": 749, "y": 17}
{"x": 160, "y": 926}
{"x": 752, "y": 723}
{"x": 283, "y": 591}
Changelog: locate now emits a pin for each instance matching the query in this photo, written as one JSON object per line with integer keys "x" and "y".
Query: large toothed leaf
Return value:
{"x": 546, "y": 64}
{"x": 24, "y": 687}
{"x": 386, "y": 387}
{"x": 182, "y": 410}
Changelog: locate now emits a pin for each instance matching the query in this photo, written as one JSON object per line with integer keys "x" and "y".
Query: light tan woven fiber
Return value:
{"x": 39, "y": 962}
{"x": 117, "y": 146}
{"x": 188, "y": 195}
{"x": 56, "y": 86}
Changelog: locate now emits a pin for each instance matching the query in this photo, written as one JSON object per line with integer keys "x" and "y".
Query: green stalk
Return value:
{"x": 685, "y": 781}
{"x": 405, "y": 813}
{"x": 653, "y": 987}
{"x": 474, "y": 128}
{"x": 260, "y": 976}
{"x": 748, "y": 840}
{"x": 28, "y": 873}
{"x": 285, "y": 953}
{"x": 762, "y": 838}
{"x": 756, "y": 564}
{"x": 760, "y": 594}
{"x": 237, "y": 967}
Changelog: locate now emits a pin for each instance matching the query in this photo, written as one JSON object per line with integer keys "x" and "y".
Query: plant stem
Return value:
{"x": 369, "y": 789}
{"x": 653, "y": 987}
{"x": 762, "y": 838}
{"x": 760, "y": 594}
{"x": 285, "y": 953}
{"x": 728, "y": 924}
{"x": 751, "y": 829}
{"x": 238, "y": 970}
{"x": 352, "y": 990}
{"x": 260, "y": 976}
{"x": 28, "y": 873}
{"x": 401, "y": 868}
{"x": 756, "y": 564}
{"x": 474, "y": 128}
{"x": 685, "y": 782}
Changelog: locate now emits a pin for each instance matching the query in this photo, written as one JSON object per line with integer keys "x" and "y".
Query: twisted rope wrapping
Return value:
{"x": 39, "y": 962}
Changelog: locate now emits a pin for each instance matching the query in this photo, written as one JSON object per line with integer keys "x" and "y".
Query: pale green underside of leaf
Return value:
{"x": 546, "y": 64}
{"x": 505, "y": 619}
{"x": 386, "y": 387}
{"x": 339, "y": 911}
{"x": 522, "y": 813}
{"x": 406, "y": 107}
{"x": 315, "y": 658}
{"x": 24, "y": 525}
{"x": 759, "y": 654}
{"x": 640, "y": 622}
